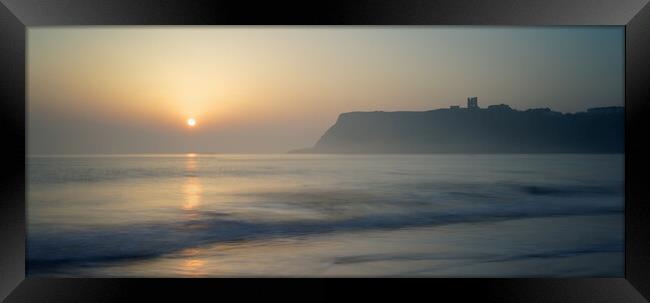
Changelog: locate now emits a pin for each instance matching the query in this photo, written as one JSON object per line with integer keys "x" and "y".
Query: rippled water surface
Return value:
{"x": 326, "y": 215}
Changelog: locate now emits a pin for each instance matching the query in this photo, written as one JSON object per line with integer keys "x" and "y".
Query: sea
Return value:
{"x": 316, "y": 215}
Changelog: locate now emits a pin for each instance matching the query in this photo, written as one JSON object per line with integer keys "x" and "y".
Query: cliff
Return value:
{"x": 497, "y": 129}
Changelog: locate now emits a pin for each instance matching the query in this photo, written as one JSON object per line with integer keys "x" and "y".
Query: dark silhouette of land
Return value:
{"x": 496, "y": 129}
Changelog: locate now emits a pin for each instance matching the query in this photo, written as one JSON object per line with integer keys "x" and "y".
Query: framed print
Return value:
{"x": 495, "y": 147}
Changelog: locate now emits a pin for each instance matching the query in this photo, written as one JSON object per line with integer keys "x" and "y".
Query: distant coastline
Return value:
{"x": 495, "y": 129}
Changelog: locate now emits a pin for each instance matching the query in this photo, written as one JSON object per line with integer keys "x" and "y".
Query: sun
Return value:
{"x": 191, "y": 122}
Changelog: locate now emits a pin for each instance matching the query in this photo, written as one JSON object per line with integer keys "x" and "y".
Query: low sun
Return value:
{"x": 191, "y": 122}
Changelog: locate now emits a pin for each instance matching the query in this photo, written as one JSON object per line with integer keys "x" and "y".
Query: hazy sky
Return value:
{"x": 254, "y": 89}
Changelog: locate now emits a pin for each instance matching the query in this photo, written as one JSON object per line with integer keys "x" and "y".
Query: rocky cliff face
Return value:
{"x": 497, "y": 129}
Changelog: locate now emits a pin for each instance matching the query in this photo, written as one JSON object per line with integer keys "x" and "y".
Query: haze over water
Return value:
{"x": 326, "y": 215}
{"x": 102, "y": 90}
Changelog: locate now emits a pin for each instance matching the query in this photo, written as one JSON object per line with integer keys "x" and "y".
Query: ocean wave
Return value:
{"x": 569, "y": 190}
{"x": 52, "y": 248}
{"x": 479, "y": 257}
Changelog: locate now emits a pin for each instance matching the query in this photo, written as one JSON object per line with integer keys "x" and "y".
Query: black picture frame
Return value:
{"x": 17, "y": 15}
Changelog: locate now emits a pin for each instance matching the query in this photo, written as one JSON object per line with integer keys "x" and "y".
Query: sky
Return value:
{"x": 107, "y": 90}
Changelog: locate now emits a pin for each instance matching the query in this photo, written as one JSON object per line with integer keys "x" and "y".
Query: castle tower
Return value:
{"x": 472, "y": 103}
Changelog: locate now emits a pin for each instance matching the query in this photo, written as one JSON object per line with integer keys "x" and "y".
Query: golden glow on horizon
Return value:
{"x": 258, "y": 89}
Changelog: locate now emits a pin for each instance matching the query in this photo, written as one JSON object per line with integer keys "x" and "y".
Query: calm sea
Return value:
{"x": 326, "y": 215}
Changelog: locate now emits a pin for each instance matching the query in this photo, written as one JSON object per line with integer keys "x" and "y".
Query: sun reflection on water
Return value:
{"x": 192, "y": 191}
{"x": 192, "y": 188}
{"x": 193, "y": 265}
